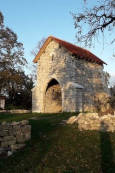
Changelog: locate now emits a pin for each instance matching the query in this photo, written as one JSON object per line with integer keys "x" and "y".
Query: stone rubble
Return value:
{"x": 92, "y": 121}
{"x": 13, "y": 136}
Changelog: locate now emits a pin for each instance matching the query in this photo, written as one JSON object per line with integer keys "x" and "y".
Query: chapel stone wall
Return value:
{"x": 57, "y": 63}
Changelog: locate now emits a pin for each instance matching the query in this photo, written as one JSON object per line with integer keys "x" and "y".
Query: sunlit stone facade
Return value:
{"x": 2, "y": 102}
{"x": 65, "y": 82}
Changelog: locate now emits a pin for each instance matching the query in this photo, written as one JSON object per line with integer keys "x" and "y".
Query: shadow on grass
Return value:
{"x": 107, "y": 157}
{"x": 42, "y": 142}
{"x": 29, "y": 158}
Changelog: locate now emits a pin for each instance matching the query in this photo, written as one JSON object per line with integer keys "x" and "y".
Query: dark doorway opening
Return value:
{"x": 53, "y": 97}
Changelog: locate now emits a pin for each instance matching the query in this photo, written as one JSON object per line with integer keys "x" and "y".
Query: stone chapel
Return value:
{"x": 69, "y": 78}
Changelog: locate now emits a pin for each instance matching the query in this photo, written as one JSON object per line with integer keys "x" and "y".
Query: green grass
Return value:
{"x": 57, "y": 148}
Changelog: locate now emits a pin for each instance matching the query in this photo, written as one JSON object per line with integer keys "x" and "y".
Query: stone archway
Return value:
{"x": 53, "y": 97}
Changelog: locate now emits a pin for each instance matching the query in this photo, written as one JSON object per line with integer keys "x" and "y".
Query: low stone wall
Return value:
{"x": 1, "y": 111}
{"x": 19, "y": 111}
{"x": 91, "y": 121}
{"x": 13, "y": 136}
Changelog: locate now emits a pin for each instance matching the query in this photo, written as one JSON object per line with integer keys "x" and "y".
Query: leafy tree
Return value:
{"x": 1, "y": 19}
{"x": 11, "y": 59}
{"x": 22, "y": 97}
{"x": 94, "y": 22}
{"x": 14, "y": 83}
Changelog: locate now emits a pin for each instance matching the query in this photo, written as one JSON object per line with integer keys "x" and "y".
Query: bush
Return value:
{"x": 112, "y": 98}
{"x": 12, "y": 107}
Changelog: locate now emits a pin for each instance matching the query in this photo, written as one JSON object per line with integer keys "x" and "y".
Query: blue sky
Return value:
{"x": 34, "y": 19}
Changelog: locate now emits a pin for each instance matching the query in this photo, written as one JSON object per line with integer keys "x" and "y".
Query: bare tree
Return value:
{"x": 37, "y": 48}
{"x": 93, "y": 23}
{"x": 34, "y": 52}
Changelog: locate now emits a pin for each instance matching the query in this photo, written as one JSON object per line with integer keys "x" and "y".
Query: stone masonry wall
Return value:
{"x": 57, "y": 63}
{"x": 13, "y": 136}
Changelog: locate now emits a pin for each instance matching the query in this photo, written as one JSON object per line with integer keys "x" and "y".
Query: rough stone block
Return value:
{"x": 20, "y": 138}
{"x": 24, "y": 122}
{"x": 17, "y": 147}
{"x": 8, "y": 138}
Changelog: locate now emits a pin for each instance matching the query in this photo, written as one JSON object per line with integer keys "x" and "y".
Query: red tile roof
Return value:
{"x": 75, "y": 50}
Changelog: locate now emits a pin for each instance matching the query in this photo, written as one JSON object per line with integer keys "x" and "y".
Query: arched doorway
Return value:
{"x": 53, "y": 97}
